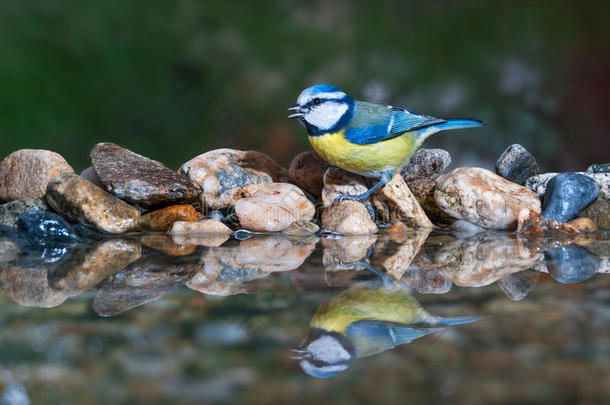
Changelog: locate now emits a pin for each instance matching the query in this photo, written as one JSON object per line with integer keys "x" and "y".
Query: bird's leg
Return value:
{"x": 385, "y": 178}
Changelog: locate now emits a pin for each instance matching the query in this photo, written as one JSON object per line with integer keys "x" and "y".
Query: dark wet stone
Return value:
{"x": 47, "y": 226}
{"x": 571, "y": 264}
{"x": 599, "y": 168}
{"x": 139, "y": 180}
{"x": 10, "y": 212}
{"x": 34, "y": 252}
{"x": 567, "y": 194}
{"x": 516, "y": 164}
{"x": 426, "y": 163}
{"x": 516, "y": 286}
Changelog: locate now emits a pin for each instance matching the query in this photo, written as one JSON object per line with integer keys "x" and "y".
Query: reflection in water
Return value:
{"x": 363, "y": 320}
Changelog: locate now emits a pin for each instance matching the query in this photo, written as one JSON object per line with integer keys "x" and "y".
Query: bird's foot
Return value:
{"x": 360, "y": 197}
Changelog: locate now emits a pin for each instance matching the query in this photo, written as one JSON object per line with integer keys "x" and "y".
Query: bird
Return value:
{"x": 368, "y": 318}
{"x": 372, "y": 140}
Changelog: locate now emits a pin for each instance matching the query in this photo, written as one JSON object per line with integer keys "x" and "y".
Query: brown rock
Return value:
{"x": 89, "y": 174}
{"x": 88, "y": 266}
{"x": 139, "y": 180}
{"x": 29, "y": 287}
{"x": 301, "y": 228}
{"x": 423, "y": 191}
{"x": 348, "y": 218}
{"x": 162, "y": 219}
{"x": 207, "y": 232}
{"x": 26, "y": 173}
{"x": 273, "y": 207}
{"x": 338, "y": 181}
{"x": 80, "y": 201}
{"x": 484, "y": 198}
{"x": 396, "y": 203}
{"x": 222, "y": 174}
{"x": 599, "y": 211}
{"x": 307, "y": 170}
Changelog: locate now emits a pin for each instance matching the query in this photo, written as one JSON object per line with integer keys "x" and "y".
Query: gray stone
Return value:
{"x": 599, "y": 168}
{"x": 538, "y": 182}
{"x": 567, "y": 194}
{"x": 426, "y": 163}
{"x": 10, "y": 212}
{"x": 516, "y": 164}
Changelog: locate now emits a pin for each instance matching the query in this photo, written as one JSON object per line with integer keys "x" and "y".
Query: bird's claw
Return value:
{"x": 369, "y": 207}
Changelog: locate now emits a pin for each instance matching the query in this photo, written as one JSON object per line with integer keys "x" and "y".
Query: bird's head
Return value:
{"x": 323, "y": 109}
{"x": 325, "y": 354}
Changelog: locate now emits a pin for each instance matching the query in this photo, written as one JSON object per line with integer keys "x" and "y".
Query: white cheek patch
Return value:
{"x": 326, "y": 115}
{"x": 307, "y": 96}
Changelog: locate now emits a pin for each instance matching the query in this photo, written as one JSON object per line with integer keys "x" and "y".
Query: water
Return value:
{"x": 143, "y": 319}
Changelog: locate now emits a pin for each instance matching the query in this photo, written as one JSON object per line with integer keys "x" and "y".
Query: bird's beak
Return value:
{"x": 299, "y": 114}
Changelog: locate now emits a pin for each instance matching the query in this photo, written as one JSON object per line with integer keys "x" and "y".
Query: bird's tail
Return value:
{"x": 458, "y": 321}
{"x": 457, "y": 124}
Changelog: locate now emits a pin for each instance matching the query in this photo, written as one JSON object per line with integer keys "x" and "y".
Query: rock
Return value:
{"x": 8, "y": 251}
{"x": 207, "y": 232}
{"x": 47, "y": 226}
{"x": 80, "y": 201}
{"x": 307, "y": 170}
{"x": 34, "y": 252}
{"x": 164, "y": 243}
{"x": 599, "y": 168}
{"x": 338, "y": 181}
{"x": 483, "y": 258}
{"x": 215, "y": 215}
{"x": 10, "y": 212}
{"x": 222, "y": 174}
{"x": 516, "y": 286}
{"x": 426, "y": 163}
{"x": 162, "y": 219}
{"x": 273, "y": 207}
{"x": 516, "y": 164}
{"x": 539, "y": 182}
{"x": 427, "y": 281}
{"x": 89, "y": 174}
{"x": 582, "y": 225}
{"x": 26, "y": 173}
{"x": 89, "y": 265}
{"x": 397, "y": 259}
{"x": 571, "y": 264}
{"x": 599, "y": 212}
{"x": 484, "y": 198}
{"x": 301, "y": 228}
{"x": 567, "y": 194}
{"x": 348, "y": 218}
{"x": 395, "y": 203}
{"x": 463, "y": 229}
{"x": 29, "y": 288}
{"x": 532, "y": 223}
{"x": 423, "y": 191}
{"x": 139, "y": 180}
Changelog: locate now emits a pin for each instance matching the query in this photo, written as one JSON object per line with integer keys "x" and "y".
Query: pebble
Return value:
{"x": 139, "y": 180}
{"x": 26, "y": 173}
{"x": 307, "y": 170}
{"x": 599, "y": 211}
{"x": 338, "y": 181}
{"x": 162, "y": 219}
{"x": 10, "y": 212}
{"x": 348, "y": 218}
{"x": 426, "y": 163}
{"x": 301, "y": 228}
{"x": 89, "y": 265}
{"x": 599, "y": 168}
{"x": 539, "y": 182}
{"x": 208, "y": 232}
{"x": 222, "y": 174}
{"x": 29, "y": 288}
{"x": 89, "y": 174}
{"x": 273, "y": 207}
{"x": 47, "y": 226}
{"x": 567, "y": 194}
{"x": 395, "y": 203}
{"x": 516, "y": 164}
{"x": 516, "y": 286}
{"x": 423, "y": 190}
{"x": 80, "y": 201}
{"x": 483, "y": 198}
{"x": 571, "y": 264}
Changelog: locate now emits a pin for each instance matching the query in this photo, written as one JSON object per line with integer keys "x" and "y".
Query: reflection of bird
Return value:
{"x": 364, "y": 320}
{"x": 364, "y": 138}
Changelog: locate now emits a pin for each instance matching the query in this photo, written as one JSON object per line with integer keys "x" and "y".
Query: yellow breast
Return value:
{"x": 391, "y": 154}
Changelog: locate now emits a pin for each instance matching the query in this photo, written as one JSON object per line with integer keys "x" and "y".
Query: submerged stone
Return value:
{"x": 47, "y": 226}
{"x": 10, "y": 212}
{"x": 307, "y": 170}
{"x": 571, "y": 264}
{"x": 516, "y": 286}
{"x": 516, "y": 164}
{"x": 139, "y": 180}
{"x": 567, "y": 194}
{"x": 26, "y": 173}
{"x": 426, "y": 163}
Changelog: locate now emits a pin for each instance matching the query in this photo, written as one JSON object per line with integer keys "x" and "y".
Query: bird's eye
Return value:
{"x": 316, "y": 101}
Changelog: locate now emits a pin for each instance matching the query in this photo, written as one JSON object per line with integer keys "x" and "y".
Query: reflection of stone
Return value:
{"x": 516, "y": 286}
{"x": 571, "y": 264}
{"x": 338, "y": 253}
{"x": 274, "y": 253}
{"x": 29, "y": 287}
{"x": 483, "y": 258}
{"x": 166, "y": 244}
{"x": 427, "y": 281}
{"x": 8, "y": 251}
{"x": 395, "y": 203}
{"x": 144, "y": 280}
{"x": 397, "y": 258}
{"x": 87, "y": 266}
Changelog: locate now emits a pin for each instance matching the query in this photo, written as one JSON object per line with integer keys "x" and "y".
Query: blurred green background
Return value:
{"x": 172, "y": 79}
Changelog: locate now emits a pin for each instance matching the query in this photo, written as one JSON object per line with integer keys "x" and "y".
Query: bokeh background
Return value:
{"x": 174, "y": 79}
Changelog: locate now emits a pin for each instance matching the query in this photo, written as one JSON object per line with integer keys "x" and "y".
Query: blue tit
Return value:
{"x": 369, "y": 139}
{"x": 364, "y": 320}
